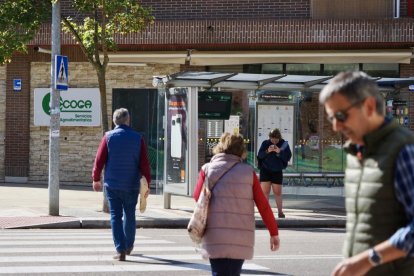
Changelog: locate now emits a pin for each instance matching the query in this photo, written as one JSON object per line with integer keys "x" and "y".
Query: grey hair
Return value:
{"x": 355, "y": 86}
{"x": 121, "y": 116}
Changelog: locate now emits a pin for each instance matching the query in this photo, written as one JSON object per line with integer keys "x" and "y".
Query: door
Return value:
{"x": 142, "y": 105}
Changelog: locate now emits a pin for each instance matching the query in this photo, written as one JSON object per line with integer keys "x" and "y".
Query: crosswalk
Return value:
{"x": 84, "y": 251}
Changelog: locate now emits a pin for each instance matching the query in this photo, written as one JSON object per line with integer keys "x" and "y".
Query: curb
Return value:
{"x": 181, "y": 223}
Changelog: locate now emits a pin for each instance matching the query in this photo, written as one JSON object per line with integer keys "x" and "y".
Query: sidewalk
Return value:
{"x": 27, "y": 206}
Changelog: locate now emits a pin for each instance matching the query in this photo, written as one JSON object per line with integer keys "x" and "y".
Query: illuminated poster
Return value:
{"x": 176, "y": 138}
{"x": 270, "y": 116}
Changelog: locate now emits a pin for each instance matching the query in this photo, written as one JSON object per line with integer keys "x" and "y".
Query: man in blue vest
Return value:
{"x": 379, "y": 179}
{"x": 123, "y": 153}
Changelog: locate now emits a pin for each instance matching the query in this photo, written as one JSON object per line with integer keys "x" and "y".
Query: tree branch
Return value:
{"x": 79, "y": 40}
{"x": 103, "y": 38}
{"x": 95, "y": 37}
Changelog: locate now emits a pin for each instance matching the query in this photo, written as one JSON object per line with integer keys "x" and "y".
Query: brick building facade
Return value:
{"x": 253, "y": 26}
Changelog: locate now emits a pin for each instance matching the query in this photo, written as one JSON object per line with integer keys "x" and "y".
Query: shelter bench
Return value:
{"x": 293, "y": 178}
{"x": 308, "y": 178}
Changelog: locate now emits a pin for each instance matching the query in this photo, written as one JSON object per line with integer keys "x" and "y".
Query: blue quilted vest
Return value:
{"x": 122, "y": 166}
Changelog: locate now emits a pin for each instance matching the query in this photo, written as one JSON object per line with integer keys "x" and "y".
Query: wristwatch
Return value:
{"x": 374, "y": 257}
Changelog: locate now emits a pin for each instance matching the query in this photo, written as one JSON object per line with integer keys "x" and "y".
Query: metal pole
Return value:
{"x": 192, "y": 145}
{"x": 54, "y": 132}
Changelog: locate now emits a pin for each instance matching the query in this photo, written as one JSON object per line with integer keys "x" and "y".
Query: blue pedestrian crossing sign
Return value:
{"x": 61, "y": 75}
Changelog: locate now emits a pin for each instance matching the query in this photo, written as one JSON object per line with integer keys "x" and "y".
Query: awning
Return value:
{"x": 244, "y": 81}
{"x": 207, "y": 58}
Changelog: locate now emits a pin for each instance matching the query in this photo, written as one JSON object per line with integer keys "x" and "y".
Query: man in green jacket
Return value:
{"x": 379, "y": 179}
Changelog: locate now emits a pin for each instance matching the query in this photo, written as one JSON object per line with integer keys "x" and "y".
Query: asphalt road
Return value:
{"x": 157, "y": 251}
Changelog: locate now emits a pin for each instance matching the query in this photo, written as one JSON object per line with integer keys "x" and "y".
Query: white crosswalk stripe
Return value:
{"x": 80, "y": 251}
{"x": 74, "y": 242}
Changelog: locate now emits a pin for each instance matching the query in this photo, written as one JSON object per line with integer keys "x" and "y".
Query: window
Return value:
{"x": 272, "y": 68}
{"x": 390, "y": 70}
{"x": 303, "y": 69}
{"x": 355, "y": 9}
{"x": 252, "y": 68}
{"x": 333, "y": 69}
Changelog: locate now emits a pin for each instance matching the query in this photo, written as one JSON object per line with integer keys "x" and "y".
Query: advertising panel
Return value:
{"x": 270, "y": 116}
{"x": 78, "y": 107}
{"x": 177, "y": 138}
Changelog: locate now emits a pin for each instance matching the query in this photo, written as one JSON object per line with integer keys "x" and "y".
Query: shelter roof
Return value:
{"x": 279, "y": 82}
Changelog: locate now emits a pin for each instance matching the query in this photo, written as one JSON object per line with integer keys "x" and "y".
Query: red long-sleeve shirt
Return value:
{"x": 102, "y": 156}
{"x": 259, "y": 198}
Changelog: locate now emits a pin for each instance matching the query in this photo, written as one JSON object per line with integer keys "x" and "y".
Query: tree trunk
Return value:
{"x": 102, "y": 91}
{"x": 104, "y": 116}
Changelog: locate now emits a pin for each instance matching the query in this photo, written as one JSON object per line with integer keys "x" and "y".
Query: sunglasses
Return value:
{"x": 342, "y": 115}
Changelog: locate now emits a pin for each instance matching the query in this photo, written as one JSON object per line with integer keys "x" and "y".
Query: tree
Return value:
{"x": 96, "y": 34}
{"x": 19, "y": 21}
{"x": 95, "y": 31}
{"x": 100, "y": 21}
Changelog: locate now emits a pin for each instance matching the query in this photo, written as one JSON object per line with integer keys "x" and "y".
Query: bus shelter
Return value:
{"x": 195, "y": 108}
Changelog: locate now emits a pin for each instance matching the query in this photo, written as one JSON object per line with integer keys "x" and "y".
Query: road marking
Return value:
{"x": 48, "y": 238}
{"x": 297, "y": 257}
{"x": 77, "y": 242}
{"x": 114, "y": 268}
{"x": 6, "y": 235}
{"x": 93, "y": 258}
{"x": 135, "y": 257}
{"x": 93, "y": 249}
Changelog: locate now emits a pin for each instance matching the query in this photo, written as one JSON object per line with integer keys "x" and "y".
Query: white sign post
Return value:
{"x": 54, "y": 150}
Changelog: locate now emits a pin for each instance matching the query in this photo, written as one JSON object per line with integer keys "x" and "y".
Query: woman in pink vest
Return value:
{"x": 229, "y": 236}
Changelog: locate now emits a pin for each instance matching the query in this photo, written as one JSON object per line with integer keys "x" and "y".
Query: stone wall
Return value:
{"x": 78, "y": 145}
{"x": 2, "y": 117}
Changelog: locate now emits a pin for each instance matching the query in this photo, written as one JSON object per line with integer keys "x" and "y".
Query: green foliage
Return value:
{"x": 19, "y": 21}
{"x": 102, "y": 21}
{"x": 95, "y": 32}
{"x": 333, "y": 160}
{"x": 153, "y": 155}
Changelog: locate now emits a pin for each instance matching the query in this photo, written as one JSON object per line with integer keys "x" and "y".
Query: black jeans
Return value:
{"x": 226, "y": 267}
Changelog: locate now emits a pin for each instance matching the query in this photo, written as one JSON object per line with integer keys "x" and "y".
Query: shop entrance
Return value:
{"x": 142, "y": 105}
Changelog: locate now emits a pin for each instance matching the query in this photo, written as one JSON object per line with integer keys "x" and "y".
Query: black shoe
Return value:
{"x": 120, "y": 257}
{"x": 128, "y": 251}
{"x": 281, "y": 215}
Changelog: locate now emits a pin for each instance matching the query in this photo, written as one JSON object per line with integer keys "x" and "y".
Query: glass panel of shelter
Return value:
{"x": 316, "y": 148}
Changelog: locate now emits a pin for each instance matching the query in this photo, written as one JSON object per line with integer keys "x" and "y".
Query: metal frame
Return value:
{"x": 196, "y": 81}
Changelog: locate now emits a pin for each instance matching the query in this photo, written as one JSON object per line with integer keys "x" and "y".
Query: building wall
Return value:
{"x": 78, "y": 145}
{"x": 17, "y": 121}
{"x": 405, "y": 7}
{"x": 228, "y": 9}
{"x": 236, "y": 9}
{"x": 2, "y": 118}
{"x": 407, "y": 70}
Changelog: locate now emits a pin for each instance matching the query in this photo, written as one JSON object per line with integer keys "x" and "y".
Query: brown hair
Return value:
{"x": 275, "y": 133}
{"x": 230, "y": 144}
